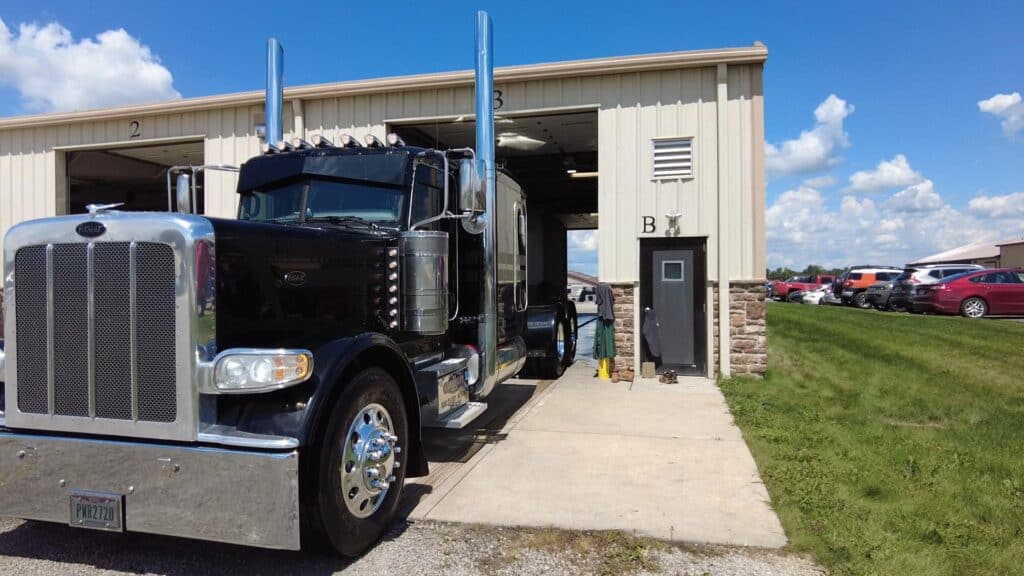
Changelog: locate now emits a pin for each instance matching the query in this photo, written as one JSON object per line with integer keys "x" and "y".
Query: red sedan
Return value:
{"x": 974, "y": 294}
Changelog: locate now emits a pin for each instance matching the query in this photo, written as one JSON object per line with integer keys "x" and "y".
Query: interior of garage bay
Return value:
{"x": 554, "y": 157}
{"x": 134, "y": 176}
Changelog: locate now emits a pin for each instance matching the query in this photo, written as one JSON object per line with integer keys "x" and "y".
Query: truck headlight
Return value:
{"x": 260, "y": 370}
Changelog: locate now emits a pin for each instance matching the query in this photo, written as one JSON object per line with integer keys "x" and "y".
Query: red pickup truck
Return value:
{"x": 782, "y": 288}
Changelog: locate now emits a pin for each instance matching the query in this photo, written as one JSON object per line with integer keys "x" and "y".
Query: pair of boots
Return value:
{"x": 668, "y": 377}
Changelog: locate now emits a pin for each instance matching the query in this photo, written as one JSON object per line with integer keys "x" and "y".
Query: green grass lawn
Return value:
{"x": 891, "y": 443}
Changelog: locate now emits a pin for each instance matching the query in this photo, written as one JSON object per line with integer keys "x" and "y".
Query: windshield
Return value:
{"x": 324, "y": 200}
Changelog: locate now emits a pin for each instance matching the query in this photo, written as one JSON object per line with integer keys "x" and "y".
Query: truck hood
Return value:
{"x": 295, "y": 286}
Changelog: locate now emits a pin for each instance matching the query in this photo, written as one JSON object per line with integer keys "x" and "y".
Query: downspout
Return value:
{"x": 487, "y": 329}
{"x": 724, "y": 345}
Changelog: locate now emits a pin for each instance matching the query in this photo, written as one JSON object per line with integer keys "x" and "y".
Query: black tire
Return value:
{"x": 860, "y": 300}
{"x": 349, "y": 535}
{"x": 571, "y": 333}
{"x": 552, "y": 364}
{"x": 974, "y": 308}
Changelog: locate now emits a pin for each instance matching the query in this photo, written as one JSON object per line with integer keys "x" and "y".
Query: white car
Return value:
{"x": 817, "y": 295}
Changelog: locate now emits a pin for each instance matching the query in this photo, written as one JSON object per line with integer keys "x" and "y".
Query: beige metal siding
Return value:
{"x": 633, "y": 108}
{"x": 32, "y": 182}
{"x": 1011, "y": 256}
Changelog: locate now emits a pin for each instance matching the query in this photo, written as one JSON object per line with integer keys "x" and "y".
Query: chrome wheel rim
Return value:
{"x": 560, "y": 341}
{"x": 368, "y": 461}
{"x": 974, "y": 308}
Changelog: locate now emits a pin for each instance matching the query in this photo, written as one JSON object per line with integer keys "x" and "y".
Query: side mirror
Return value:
{"x": 471, "y": 192}
{"x": 183, "y": 192}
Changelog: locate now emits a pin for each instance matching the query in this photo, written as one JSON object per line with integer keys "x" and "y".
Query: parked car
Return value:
{"x": 782, "y": 288}
{"x": 837, "y": 285}
{"x": 974, "y": 294}
{"x": 796, "y": 296}
{"x": 817, "y": 296}
{"x": 831, "y": 298}
{"x": 878, "y": 294}
{"x": 903, "y": 285}
{"x": 857, "y": 282}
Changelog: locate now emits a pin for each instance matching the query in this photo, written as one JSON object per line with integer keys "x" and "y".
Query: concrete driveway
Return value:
{"x": 658, "y": 460}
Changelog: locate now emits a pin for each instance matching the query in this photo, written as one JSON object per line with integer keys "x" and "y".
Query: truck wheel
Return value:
{"x": 572, "y": 333}
{"x": 362, "y": 465}
{"x": 552, "y": 364}
{"x": 861, "y": 301}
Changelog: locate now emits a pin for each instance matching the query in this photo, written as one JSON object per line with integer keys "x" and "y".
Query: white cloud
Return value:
{"x": 53, "y": 72}
{"x": 820, "y": 181}
{"x": 920, "y": 197}
{"x": 803, "y": 227}
{"x": 583, "y": 240}
{"x": 1007, "y": 107}
{"x": 887, "y": 174}
{"x": 1000, "y": 207}
{"x": 814, "y": 149}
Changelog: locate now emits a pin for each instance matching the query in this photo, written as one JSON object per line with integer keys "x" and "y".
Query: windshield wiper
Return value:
{"x": 279, "y": 219}
{"x": 344, "y": 220}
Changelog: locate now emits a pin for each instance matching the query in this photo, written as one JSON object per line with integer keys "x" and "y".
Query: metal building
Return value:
{"x": 663, "y": 154}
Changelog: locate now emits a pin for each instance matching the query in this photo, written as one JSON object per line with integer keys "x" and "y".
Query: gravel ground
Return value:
{"x": 422, "y": 548}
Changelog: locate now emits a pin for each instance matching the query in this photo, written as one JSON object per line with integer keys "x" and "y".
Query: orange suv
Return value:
{"x": 856, "y": 283}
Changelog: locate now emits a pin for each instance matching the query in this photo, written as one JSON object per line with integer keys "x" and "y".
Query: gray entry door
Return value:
{"x": 673, "y": 283}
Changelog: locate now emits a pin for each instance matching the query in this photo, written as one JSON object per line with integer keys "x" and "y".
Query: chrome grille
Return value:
{"x": 30, "y": 309}
{"x": 70, "y": 330}
{"x": 79, "y": 352}
{"x": 111, "y": 264}
{"x": 154, "y": 284}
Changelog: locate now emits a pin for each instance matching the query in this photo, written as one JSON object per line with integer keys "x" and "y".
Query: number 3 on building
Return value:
{"x": 498, "y": 100}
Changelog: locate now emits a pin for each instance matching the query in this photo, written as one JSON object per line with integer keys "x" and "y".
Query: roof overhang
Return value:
{"x": 756, "y": 54}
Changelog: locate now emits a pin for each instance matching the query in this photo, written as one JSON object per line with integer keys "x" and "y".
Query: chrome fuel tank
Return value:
{"x": 424, "y": 273}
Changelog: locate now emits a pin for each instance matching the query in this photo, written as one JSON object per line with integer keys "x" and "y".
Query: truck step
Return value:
{"x": 444, "y": 394}
{"x": 460, "y": 417}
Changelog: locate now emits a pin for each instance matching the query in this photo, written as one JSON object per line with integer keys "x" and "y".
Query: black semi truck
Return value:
{"x": 265, "y": 380}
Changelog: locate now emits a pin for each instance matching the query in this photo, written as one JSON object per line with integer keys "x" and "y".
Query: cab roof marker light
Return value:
{"x": 348, "y": 141}
{"x": 373, "y": 142}
{"x": 395, "y": 140}
{"x": 284, "y": 146}
{"x": 300, "y": 144}
{"x": 321, "y": 141}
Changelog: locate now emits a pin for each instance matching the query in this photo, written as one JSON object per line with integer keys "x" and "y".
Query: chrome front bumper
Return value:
{"x": 234, "y": 496}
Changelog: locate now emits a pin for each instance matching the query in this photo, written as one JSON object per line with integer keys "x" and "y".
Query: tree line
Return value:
{"x": 782, "y": 273}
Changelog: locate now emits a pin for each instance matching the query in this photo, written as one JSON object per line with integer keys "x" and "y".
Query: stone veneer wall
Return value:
{"x": 748, "y": 345}
{"x": 622, "y": 367}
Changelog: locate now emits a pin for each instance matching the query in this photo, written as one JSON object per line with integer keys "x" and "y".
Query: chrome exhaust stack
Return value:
{"x": 275, "y": 95}
{"x": 487, "y": 330}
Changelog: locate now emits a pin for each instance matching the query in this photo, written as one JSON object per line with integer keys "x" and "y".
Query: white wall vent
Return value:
{"x": 672, "y": 158}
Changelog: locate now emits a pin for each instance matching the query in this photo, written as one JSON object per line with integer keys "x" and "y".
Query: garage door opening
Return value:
{"x": 554, "y": 158}
{"x": 135, "y": 177}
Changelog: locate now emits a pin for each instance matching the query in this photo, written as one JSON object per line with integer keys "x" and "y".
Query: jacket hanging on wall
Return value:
{"x": 604, "y": 339}
{"x": 605, "y": 300}
{"x": 604, "y": 332}
{"x": 652, "y": 332}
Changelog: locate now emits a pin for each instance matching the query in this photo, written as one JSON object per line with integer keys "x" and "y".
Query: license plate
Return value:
{"x": 96, "y": 510}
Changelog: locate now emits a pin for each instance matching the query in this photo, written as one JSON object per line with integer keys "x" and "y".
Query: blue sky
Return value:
{"x": 907, "y": 79}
